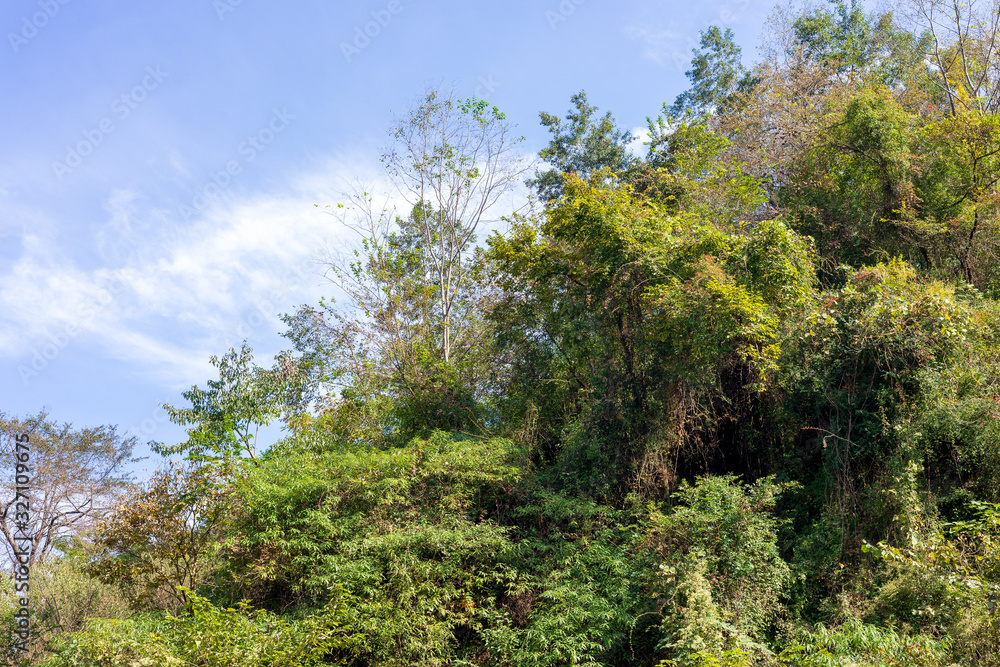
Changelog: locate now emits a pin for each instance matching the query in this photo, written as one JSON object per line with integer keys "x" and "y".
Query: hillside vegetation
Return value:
{"x": 732, "y": 402}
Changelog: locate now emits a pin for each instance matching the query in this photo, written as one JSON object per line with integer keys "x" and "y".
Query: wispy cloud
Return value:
{"x": 174, "y": 294}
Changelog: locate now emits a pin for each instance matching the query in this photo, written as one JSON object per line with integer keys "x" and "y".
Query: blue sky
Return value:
{"x": 160, "y": 162}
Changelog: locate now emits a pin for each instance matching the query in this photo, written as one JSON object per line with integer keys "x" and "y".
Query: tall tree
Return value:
{"x": 225, "y": 418}
{"x": 452, "y": 161}
{"x": 628, "y": 326}
{"x": 964, "y": 41}
{"x": 158, "y": 541}
{"x": 412, "y": 329}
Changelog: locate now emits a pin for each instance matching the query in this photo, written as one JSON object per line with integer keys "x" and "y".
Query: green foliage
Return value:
{"x": 161, "y": 537}
{"x": 875, "y": 334}
{"x": 629, "y": 322}
{"x": 954, "y": 431}
{"x": 731, "y": 658}
{"x": 410, "y": 532}
{"x": 580, "y": 146}
{"x": 581, "y": 597}
{"x": 569, "y": 623}
{"x": 959, "y": 567}
{"x": 816, "y": 554}
{"x": 721, "y": 570}
{"x": 958, "y": 197}
{"x": 210, "y": 636}
{"x": 850, "y": 41}
{"x": 689, "y": 169}
{"x": 530, "y": 453}
{"x": 227, "y": 416}
{"x": 889, "y": 384}
{"x": 708, "y": 318}
{"x": 716, "y": 75}
{"x": 63, "y": 598}
{"x": 858, "y": 644}
{"x": 854, "y": 192}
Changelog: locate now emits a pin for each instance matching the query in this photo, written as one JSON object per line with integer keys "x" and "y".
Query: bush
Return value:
{"x": 209, "y": 636}
{"x": 960, "y": 567}
{"x": 857, "y": 644}
{"x": 579, "y": 597}
{"x": 411, "y": 532}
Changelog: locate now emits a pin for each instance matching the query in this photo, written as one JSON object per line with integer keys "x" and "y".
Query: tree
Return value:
{"x": 75, "y": 477}
{"x": 962, "y": 561}
{"x": 633, "y": 330}
{"x": 161, "y": 535}
{"x": 452, "y": 161}
{"x": 717, "y": 75}
{"x": 691, "y": 169}
{"x": 964, "y": 40}
{"x": 853, "y": 190}
{"x": 959, "y": 196}
{"x": 580, "y": 146}
{"x": 412, "y": 332}
{"x": 227, "y": 416}
{"x": 774, "y": 112}
{"x": 857, "y": 44}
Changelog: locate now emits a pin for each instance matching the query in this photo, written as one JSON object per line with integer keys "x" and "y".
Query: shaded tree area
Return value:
{"x": 730, "y": 402}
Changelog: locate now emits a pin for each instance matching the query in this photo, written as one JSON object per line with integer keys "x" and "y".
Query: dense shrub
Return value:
{"x": 206, "y": 635}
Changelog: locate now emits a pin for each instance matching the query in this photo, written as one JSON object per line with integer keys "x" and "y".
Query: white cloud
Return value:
{"x": 180, "y": 293}
{"x": 120, "y": 205}
{"x": 640, "y": 137}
